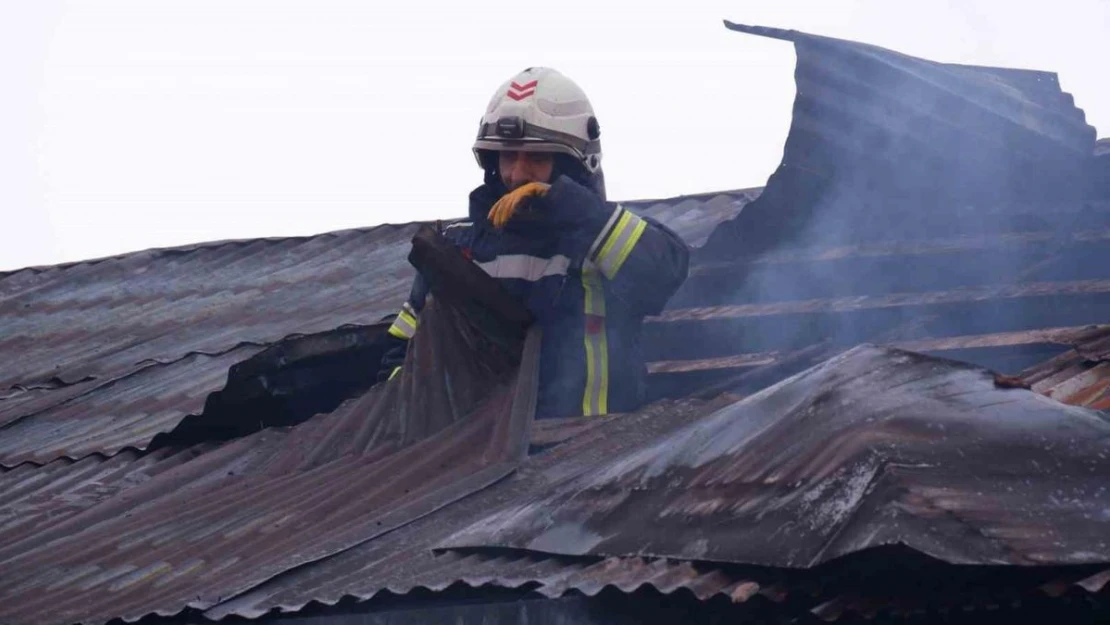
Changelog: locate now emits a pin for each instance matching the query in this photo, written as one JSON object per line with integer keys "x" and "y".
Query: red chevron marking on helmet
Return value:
{"x": 519, "y": 92}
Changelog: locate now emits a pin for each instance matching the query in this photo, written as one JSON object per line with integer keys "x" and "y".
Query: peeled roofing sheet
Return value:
{"x": 874, "y": 447}
{"x": 886, "y": 146}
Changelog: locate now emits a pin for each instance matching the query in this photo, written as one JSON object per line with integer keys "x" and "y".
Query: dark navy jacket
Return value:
{"x": 590, "y": 272}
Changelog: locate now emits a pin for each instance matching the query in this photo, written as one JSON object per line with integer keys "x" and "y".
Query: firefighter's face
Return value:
{"x": 518, "y": 168}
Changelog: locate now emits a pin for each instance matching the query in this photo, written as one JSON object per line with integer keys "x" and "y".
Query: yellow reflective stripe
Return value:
{"x": 394, "y": 373}
{"x": 595, "y": 296}
{"x": 626, "y": 249}
{"x": 595, "y": 398}
{"x": 620, "y": 243}
{"x": 404, "y": 326}
{"x": 614, "y": 236}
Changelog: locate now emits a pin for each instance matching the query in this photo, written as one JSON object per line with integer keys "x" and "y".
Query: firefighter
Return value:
{"x": 589, "y": 271}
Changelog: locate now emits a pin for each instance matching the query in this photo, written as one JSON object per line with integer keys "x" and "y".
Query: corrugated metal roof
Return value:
{"x": 65, "y": 320}
{"x": 1080, "y": 376}
{"x": 399, "y": 562}
{"x": 105, "y": 318}
{"x": 885, "y": 146}
{"x": 39, "y": 503}
{"x": 270, "y": 502}
{"x": 404, "y": 561}
{"x": 89, "y": 332}
{"x": 874, "y": 447}
{"x": 127, "y": 412}
{"x": 284, "y": 518}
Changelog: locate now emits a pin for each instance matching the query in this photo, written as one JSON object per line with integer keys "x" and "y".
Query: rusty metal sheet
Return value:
{"x": 37, "y": 502}
{"x": 103, "y": 318}
{"x": 403, "y": 560}
{"x": 874, "y": 447}
{"x": 1080, "y": 376}
{"x": 275, "y": 500}
{"x": 125, "y": 413}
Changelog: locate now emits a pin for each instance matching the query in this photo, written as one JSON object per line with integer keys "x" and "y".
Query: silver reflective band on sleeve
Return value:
{"x": 605, "y": 231}
{"x": 619, "y": 242}
{"x": 525, "y": 267}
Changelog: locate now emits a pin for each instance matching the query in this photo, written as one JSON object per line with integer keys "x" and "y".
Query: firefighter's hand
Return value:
{"x": 504, "y": 209}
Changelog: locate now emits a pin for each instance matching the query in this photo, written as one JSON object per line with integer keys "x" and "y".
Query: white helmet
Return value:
{"x": 540, "y": 110}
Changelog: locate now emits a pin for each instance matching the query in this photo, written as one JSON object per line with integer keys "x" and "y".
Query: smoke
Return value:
{"x": 915, "y": 200}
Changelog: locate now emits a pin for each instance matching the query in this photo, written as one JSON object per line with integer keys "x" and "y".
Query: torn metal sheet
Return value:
{"x": 874, "y": 447}
{"x": 455, "y": 421}
{"x": 886, "y": 146}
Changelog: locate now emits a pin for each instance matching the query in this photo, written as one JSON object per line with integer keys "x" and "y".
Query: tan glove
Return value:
{"x": 504, "y": 209}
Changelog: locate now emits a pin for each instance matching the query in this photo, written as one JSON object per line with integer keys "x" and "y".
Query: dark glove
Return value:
{"x": 393, "y": 357}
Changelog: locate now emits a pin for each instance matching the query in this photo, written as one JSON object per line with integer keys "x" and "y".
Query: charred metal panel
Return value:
{"x": 874, "y": 447}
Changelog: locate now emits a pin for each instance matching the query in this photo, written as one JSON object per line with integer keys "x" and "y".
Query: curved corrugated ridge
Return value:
{"x": 120, "y": 414}
{"x": 208, "y": 245}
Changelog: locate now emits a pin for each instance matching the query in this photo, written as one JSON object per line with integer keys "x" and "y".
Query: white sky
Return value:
{"x": 129, "y": 124}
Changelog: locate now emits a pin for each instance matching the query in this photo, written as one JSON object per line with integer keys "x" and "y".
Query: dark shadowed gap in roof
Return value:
{"x": 286, "y": 384}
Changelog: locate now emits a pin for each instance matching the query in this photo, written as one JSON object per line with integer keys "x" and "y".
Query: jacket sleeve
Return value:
{"x": 402, "y": 329}
{"x": 643, "y": 261}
